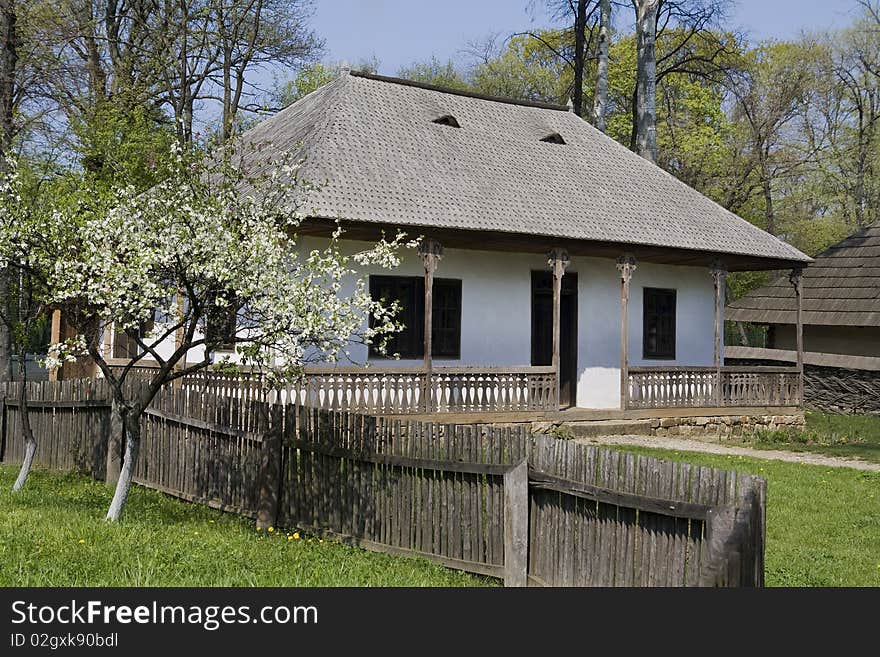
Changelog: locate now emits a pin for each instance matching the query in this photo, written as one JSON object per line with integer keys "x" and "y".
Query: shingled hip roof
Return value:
{"x": 373, "y": 146}
{"x": 841, "y": 287}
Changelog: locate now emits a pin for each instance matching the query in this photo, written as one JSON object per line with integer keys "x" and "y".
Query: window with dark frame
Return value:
{"x": 221, "y": 324}
{"x": 409, "y": 292}
{"x": 658, "y": 324}
{"x": 125, "y": 345}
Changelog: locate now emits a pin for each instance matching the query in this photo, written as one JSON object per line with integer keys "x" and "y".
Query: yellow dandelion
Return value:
{"x": 82, "y": 541}
{"x": 289, "y": 538}
{"x": 259, "y": 529}
{"x": 271, "y": 529}
{"x": 296, "y": 536}
{"x": 195, "y": 533}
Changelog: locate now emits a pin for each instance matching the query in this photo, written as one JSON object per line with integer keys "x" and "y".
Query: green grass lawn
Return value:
{"x": 823, "y": 529}
{"x": 823, "y": 524}
{"x": 854, "y": 436}
{"x": 54, "y": 534}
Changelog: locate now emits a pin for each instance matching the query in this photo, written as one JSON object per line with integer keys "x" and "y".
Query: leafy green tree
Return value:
{"x": 525, "y": 69}
{"x": 314, "y": 76}
{"x": 433, "y": 71}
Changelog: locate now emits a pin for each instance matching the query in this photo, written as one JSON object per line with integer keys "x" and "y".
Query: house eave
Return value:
{"x": 814, "y": 318}
{"x": 483, "y": 240}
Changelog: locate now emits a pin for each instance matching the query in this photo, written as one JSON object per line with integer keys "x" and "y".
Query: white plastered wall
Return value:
{"x": 496, "y": 307}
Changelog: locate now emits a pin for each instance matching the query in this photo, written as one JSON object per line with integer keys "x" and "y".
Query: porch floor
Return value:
{"x": 596, "y": 414}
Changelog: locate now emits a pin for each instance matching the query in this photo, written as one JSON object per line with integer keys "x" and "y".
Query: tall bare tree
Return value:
{"x": 646, "y": 79}
{"x": 254, "y": 33}
{"x": 770, "y": 101}
{"x": 580, "y": 16}
{"x": 684, "y": 38}
{"x": 600, "y": 96}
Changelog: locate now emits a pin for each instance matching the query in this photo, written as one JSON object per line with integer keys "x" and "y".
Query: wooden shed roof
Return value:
{"x": 841, "y": 287}
{"x": 389, "y": 152}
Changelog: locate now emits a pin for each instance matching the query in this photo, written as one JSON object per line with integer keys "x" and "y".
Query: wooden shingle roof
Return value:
{"x": 385, "y": 152}
{"x": 841, "y": 287}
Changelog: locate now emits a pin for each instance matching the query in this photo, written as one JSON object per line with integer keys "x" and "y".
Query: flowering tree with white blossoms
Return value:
{"x": 210, "y": 246}
{"x": 27, "y": 233}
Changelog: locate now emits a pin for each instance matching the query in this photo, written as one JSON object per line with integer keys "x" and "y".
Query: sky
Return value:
{"x": 400, "y": 32}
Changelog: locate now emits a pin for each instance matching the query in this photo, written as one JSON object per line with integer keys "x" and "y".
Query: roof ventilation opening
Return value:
{"x": 447, "y": 119}
{"x": 553, "y": 138}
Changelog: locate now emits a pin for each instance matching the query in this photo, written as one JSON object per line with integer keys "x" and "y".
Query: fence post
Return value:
{"x": 270, "y": 467}
{"x": 719, "y": 528}
{"x": 759, "y": 527}
{"x": 516, "y": 525}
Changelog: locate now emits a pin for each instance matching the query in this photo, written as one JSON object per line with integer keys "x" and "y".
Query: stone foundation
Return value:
{"x": 724, "y": 426}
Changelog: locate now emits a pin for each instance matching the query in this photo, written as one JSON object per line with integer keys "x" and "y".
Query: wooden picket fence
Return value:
{"x": 71, "y": 420}
{"x": 492, "y": 500}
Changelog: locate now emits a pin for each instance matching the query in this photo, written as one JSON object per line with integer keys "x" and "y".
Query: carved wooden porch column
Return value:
{"x": 719, "y": 279}
{"x": 796, "y": 279}
{"x": 626, "y": 265}
{"x": 559, "y": 260}
{"x": 431, "y": 252}
{"x": 55, "y": 338}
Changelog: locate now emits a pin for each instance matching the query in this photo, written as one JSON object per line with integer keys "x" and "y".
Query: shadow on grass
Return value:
{"x": 49, "y": 491}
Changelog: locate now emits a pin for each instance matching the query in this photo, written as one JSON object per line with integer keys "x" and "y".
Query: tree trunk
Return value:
{"x": 8, "y": 66}
{"x": 8, "y": 72}
{"x": 634, "y": 118}
{"x": 600, "y": 99}
{"x": 769, "y": 213}
{"x": 580, "y": 41}
{"x": 227, "y": 95}
{"x": 30, "y": 443}
{"x": 131, "y": 421}
{"x": 115, "y": 442}
{"x": 5, "y": 334}
{"x": 646, "y": 79}
{"x": 860, "y": 172}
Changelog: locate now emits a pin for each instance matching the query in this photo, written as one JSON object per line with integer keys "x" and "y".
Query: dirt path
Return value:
{"x": 684, "y": 445}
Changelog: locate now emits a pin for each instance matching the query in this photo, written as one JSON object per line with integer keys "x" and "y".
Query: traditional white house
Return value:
{"x": 542, "y": 238}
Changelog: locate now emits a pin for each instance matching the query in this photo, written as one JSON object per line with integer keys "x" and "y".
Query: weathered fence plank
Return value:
{"x": 516, "y": 525}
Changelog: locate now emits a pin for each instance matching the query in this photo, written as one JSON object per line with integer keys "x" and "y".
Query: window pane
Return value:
{"x": 658, "y": 330}
{"x": 409, "y": 292}
{"x": 446, "y": 319}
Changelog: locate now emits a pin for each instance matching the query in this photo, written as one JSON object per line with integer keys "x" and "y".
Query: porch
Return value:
{"x": 544, "y": 390}
{"x": 518, "y": 394}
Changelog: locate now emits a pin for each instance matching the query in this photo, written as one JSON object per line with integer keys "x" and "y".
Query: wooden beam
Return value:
{"x": 516, "y": 525}
{"x": 719, "y": 278}
{"x": 558, "y": 260}
{"x": 822, "y": 359}
{"x": 796, "y": 279}
{"x": 626, "y": 265}
{"x": 55, "y": 338}
{"x": 666, "y": 507}
{"x": 431, "y": 252}
{"x": 374, "y": 458}
{"x": 484, "y": 240}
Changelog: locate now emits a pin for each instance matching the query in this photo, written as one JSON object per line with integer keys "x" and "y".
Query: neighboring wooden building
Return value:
{"x": 841, "y": 323}
{"x": 557, "y": 269}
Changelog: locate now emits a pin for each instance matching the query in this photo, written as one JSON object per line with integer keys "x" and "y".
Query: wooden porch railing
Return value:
{"x": 399, "y": 390}
{"x": 701, "y": 387}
